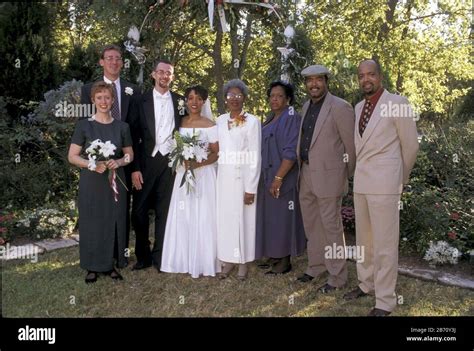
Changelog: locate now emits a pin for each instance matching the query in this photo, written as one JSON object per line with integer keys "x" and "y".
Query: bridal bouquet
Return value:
{"x": 100, "y": 151}
{"x": 187, "y": 148}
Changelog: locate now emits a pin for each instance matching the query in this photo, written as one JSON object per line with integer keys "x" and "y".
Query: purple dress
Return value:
{"x": 279, "y": 223}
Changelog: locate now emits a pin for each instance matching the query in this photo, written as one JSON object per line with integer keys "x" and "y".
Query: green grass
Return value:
{"x": 54, "y": 287}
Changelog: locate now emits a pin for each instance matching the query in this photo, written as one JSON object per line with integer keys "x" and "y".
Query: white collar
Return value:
{"x": 157, "y": 94}
{"x": 108, "y": 81}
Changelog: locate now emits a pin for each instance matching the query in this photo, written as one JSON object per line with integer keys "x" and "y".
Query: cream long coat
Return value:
{"x": 238, "y": 172}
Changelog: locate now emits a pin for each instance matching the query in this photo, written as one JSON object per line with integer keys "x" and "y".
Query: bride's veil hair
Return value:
{"x": 203, "y": 93}
{"x": 206, "y": 110}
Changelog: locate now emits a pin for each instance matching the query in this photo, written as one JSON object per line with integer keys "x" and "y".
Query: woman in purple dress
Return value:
{"x": 280, "y": 232}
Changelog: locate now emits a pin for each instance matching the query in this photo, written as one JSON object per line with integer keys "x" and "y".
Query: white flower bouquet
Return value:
{"x": 100, "y": 151}
{"x": 441, "y": 252}
{"x": 187, "y": 148}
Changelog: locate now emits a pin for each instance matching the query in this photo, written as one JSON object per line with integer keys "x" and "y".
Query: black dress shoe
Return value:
{"x": 140, "y": 265}
{"x": 115, "y": 275}
{"x": 326, "y": 288}
{"x": 354, "y": 294}
{"x": 286, "y": 270}
{"x": 305, "y": 278}
{"x": 268, "y": 263}
{"x": 91, "y": 277}
{"x": 377, "y": 312}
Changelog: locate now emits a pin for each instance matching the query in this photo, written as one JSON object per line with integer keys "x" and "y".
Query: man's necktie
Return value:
{"x": 115, "y": 106}
{"x": 364, "y": 120}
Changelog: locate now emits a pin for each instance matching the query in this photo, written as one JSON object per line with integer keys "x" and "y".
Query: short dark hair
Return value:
{"x": 110, "y": 47}
{"x": 199, "y": 90}
{"x": 97, "y": 87}
{"x": 160, "y": 60}
{"x": 287, "y": 87}
{"x": 377, "y": 64}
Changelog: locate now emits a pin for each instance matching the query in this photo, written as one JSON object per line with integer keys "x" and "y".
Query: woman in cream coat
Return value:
{"x": 237, "y": 181}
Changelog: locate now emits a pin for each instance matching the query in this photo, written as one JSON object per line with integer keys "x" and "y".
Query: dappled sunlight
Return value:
{"x": 48, "y": 265}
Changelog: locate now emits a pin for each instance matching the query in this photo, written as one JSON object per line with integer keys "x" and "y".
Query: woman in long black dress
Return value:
{"x": 101, "y": 211}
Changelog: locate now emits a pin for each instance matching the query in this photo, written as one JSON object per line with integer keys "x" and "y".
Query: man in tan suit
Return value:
{"x": 326, "y": 156}
{"x": 386, "y": 145}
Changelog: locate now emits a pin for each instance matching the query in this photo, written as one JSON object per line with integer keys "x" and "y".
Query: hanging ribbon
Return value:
{"x": 220, "y": 11}
{"x": 113, "y": 185}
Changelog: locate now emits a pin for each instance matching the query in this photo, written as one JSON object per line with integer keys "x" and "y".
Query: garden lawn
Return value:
{"x": 55, "y": 287}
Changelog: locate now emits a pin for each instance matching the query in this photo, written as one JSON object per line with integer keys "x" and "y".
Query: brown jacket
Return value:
{"x": 332, "y": 151}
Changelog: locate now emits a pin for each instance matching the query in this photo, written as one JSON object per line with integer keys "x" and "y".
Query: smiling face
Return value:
{"x": 112, "y": 64}
{"x": 235, "y": 99}
{"x": 163, "y": 76}
{"x": 194, "y": 102}
{"x": 103, "y": 100}
{"x": 370, "y": 78}
{"x": 317, "y": 87}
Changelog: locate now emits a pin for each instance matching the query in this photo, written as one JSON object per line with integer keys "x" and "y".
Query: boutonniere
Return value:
{"x": 238, "y": 121}
{"x": 128, "y": 91}
{"x": 181, "y": 108}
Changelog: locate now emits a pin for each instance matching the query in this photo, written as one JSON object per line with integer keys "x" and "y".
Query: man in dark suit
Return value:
{"x": 111, "y": 62}
{"x": 157, "y": 115}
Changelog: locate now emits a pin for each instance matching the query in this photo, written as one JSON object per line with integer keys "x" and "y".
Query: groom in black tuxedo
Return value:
{"x": 112, "y": 63}
{"x": 156, "y": 116}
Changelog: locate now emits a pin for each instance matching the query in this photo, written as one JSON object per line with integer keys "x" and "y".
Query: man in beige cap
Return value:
{"x": 326, "y": 156}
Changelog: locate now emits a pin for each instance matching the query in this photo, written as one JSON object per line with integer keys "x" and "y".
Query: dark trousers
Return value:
{"x": 128, "y": 181}
{"x": 155, "y": 194}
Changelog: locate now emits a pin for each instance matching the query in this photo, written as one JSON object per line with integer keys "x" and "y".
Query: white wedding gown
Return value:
{"x": 190, "y": 244}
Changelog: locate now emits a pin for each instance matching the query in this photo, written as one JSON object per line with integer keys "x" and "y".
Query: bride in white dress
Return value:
{"x": 190, "y": 244}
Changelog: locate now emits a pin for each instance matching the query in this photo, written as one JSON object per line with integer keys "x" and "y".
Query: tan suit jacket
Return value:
{"x": 387, "y": 150}
{"x": 333, "y": 137}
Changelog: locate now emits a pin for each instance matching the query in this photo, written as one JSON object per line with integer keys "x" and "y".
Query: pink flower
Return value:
{"x": 452, "y": 235}
{"x": 455, "y": 216}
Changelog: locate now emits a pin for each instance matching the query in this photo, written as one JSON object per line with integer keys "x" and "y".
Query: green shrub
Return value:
{"x": 438, "y": 203}
{"x": 35, "y": 170}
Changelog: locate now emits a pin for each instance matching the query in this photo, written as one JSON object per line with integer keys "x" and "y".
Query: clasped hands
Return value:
{"x": 102, "y": 166}
{"x": 190, "y": 165}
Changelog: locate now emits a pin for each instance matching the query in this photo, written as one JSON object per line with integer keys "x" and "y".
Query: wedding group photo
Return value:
{"x": 229, "y": 158}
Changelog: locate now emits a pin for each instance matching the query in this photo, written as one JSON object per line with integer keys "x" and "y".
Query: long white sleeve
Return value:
{"x": 254, "y": 136}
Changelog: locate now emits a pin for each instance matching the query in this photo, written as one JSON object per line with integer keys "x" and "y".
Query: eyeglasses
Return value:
{"x": 234, "y": 96}
{"x": 164, "y": 73}
{"x": 112, "y": 59}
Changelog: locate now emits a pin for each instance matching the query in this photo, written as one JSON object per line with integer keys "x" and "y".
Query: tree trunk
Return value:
{"x": 218, "y": 72}
{"x": 399, "y": 85}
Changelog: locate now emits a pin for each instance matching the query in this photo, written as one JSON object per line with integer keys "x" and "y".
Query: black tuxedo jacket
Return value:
{"x": 125, "y": 99}
{"x": 143, "y": 125}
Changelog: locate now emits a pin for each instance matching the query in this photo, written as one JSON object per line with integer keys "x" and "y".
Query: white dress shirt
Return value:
{"x": 118, "y": 88}
{"x": 164, "y": 122}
